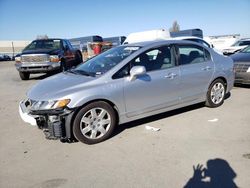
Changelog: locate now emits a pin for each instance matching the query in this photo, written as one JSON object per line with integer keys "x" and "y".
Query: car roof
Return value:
{"x": 187, "y": 37}
{"x": 48, "y": 39}
{"x": 160, "y": 42}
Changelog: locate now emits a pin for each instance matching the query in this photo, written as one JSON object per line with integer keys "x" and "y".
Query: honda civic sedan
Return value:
{"x": 126, "y": 83}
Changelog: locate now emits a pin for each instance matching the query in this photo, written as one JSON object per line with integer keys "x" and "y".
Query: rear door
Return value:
{"x": 196, "y": 69}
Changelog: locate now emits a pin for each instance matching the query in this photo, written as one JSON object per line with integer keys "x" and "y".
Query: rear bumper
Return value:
{"x": 242, "y": 78}
{"x": 40, "y": 67}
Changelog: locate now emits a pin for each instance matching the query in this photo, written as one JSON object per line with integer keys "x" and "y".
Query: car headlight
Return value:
{"x": 18, "y": 59}
{"x": 54, "y": 58}
{"x": 49, "y": 105}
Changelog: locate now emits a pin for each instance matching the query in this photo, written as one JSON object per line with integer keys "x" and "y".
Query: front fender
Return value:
{"x": 112, "y": 93}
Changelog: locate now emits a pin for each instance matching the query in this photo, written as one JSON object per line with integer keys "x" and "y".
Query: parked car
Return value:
{"x": 126, "y": 83}
{"x": 46, "y": 55}
{"x": 237, "y": 46}
{"x": 4, "y": 57}
{"x": 151, "y": 35}
{"x": 242, "y": 66}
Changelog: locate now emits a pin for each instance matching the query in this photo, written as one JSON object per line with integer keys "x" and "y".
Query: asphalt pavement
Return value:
{"x": 217, "y": 138}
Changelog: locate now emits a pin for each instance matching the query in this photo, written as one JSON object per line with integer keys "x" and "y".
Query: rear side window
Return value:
{"x": 191, "y": 54}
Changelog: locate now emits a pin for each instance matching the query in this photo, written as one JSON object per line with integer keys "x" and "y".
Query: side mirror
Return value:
{"x": 136, "y": 71}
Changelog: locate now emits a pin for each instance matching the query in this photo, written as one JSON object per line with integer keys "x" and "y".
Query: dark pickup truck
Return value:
{"x": 46, "y": 55}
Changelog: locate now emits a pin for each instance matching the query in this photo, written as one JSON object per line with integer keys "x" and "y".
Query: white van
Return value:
{"x": 143, "y": 36}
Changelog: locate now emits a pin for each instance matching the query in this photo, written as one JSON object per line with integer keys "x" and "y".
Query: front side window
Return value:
{"x": 69, "y": 44}
{"x": 64, "y": 44}
{"x": 156, "y": 59}
{"x": 153, "y": 59}
{"x": 191, "y": 54}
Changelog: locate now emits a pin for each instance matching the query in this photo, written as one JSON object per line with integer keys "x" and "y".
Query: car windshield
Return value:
{"x": 242, "y": 43}
{"x": 44, "y": 44}
{"x": 246, "y": 50}
{"x": 104, "y": 62}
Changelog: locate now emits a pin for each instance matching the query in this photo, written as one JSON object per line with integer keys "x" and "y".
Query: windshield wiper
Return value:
{"x": 79, "y": 72}
{"x": 82, "y": 72}
{"x": 71, "y": 71}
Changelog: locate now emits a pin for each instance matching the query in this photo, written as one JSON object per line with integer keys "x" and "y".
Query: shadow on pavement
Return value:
{"x": 43, "y": 76}
{"x": 242, "y": 86}
{"x": 122, "y": 127}
{"x": 218, "y": 174}
{"x": 135, "y": 123}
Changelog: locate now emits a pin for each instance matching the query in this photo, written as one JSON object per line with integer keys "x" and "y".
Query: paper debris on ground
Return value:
{"x": 213, "y": 120}
{"x": 152, "y": 128}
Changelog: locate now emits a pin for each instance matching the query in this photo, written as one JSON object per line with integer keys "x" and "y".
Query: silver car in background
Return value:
{"x": 126, "y": 83}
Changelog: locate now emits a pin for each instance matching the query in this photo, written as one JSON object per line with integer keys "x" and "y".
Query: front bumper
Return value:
{"x": 24, "y": 114}
{"x": 56, "y": 124}
{"x": 37, "y": 67}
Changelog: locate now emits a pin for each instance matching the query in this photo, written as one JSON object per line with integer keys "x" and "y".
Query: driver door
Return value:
{"x": 158, "y": 88}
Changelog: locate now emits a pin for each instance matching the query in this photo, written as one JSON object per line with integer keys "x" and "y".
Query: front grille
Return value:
{"x": 241, "y": 67}
{"x": 35, "y": 58}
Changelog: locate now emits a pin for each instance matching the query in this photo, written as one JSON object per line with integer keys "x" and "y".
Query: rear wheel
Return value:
{"x": 94, "y": 123}
{"x": 24, "y": 75}
{"x": 216, "y": 93}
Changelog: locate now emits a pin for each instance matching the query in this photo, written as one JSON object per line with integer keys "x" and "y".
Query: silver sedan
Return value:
{"x": 126, "y": 83}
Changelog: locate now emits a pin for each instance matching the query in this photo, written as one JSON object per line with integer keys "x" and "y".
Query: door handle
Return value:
{"x": 171, "y": 75}
{"x": 207, "y": 68}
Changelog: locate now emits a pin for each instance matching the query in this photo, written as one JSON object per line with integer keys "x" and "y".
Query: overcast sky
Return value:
{"x": 25, "y": 19}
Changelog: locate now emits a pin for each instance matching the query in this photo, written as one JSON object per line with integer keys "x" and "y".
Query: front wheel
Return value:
{"x": 216, "y": 94}
{"x": 24, "y": 75}
{"x": 94, "y": 123}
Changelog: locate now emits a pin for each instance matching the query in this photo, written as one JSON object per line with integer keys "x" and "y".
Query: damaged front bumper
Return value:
{"x": 56, "y": 124}
{"x": 24, "y": 114}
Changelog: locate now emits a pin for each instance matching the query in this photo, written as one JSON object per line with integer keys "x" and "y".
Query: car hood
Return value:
{"x": 241, "y": 57}
{"x": 59, "y": 86}
{"x": 41, "y": 51}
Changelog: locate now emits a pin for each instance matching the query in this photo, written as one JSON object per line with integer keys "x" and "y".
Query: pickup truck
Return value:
{"x": 46, "y": 55}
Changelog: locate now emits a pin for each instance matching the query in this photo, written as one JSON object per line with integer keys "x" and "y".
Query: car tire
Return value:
{"x": 94, "y": 123}
{"x": 24, "y": 75}
{"x": 216, "y": 94}
{"x": 63, "y": 66}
